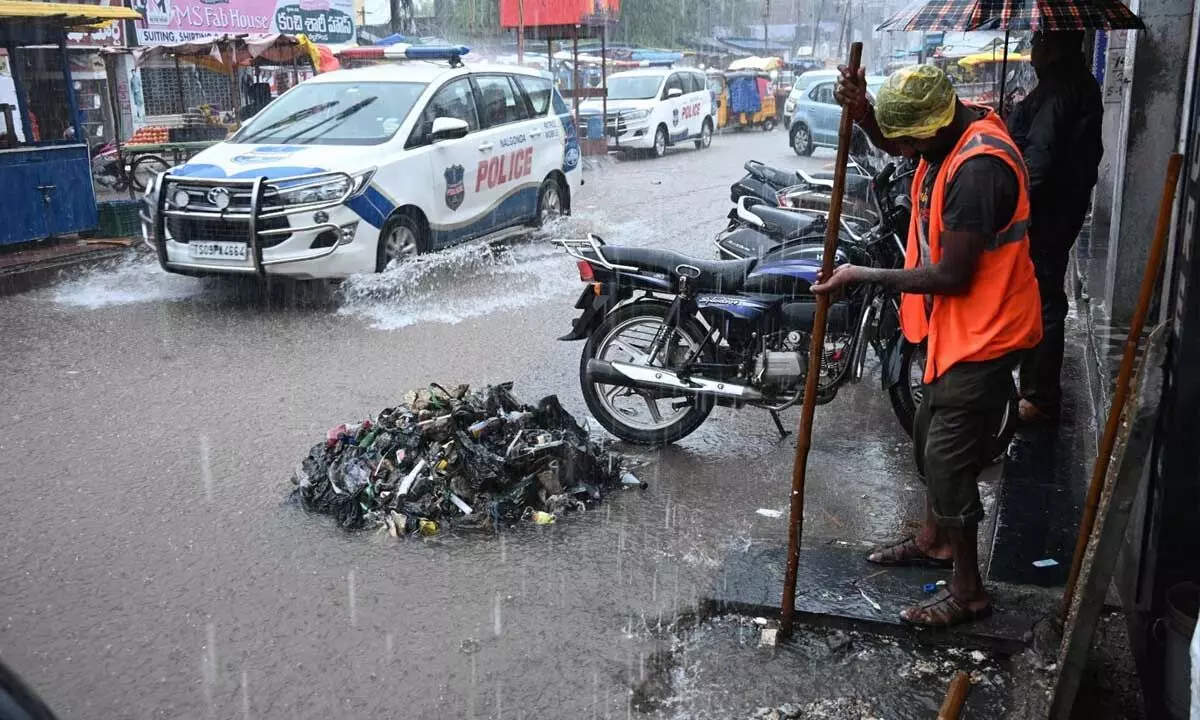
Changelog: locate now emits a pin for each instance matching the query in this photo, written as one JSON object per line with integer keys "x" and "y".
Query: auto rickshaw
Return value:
{"x": 750, "y": 101}
{"x": 720, "y": 94}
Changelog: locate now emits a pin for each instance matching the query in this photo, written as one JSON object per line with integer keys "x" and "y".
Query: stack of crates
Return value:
{"x": 119, "y": 219}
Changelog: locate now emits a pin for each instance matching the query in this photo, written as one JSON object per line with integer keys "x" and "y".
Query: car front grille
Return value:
{"x": 185, "y": 230}
{"x": 616, "y": 125}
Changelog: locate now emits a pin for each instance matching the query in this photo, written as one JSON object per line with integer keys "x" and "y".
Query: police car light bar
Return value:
{"x": 407, "y": 52}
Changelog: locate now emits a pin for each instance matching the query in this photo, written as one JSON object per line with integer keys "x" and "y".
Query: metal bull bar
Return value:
{"x": 256, "y": 189}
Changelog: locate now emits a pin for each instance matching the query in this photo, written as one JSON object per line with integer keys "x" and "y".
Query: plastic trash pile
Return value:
{"x": 457, "y": 458}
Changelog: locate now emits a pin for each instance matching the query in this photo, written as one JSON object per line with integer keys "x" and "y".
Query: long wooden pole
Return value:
{"x": 815, "y": 351}
{"x": 956, "y": 695}
{"x": 520, "y": 32}
{"x": 1121, "y": 390}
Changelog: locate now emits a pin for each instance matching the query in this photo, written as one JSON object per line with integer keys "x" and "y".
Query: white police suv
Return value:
{"x": 356, "y": 169}
{"x": 654, "y": 108}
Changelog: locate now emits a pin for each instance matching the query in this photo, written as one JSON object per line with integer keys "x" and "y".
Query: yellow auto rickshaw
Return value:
{"x": 720, "y": 93}
{"x": 748, "y": 100}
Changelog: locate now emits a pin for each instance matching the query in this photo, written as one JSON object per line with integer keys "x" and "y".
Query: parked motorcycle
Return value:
{"x": 771, "y": 184}
{"x": 761, "y": 231}
{"x": 107, "y": 169}
{"x": 670, "y": 336}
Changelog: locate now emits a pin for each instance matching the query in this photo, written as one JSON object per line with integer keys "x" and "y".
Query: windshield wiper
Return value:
{"x": 339, "y": 118}
{"x": 294, "y": 117}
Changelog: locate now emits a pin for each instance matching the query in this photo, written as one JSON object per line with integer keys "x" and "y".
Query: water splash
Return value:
{"x": 136, "y": 279}
{"x": 458, "y": 284}
{"x": 497, "y": 621}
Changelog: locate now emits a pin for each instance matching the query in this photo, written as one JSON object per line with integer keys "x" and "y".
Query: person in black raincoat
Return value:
{"x": 1057, "y": 127}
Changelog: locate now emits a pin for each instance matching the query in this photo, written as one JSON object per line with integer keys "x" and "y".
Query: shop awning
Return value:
{"x": 67, "y": 15}
{"x": 992, "y": 57}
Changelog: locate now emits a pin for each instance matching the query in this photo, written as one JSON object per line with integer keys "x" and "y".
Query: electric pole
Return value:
{"x": 766, "y": 34}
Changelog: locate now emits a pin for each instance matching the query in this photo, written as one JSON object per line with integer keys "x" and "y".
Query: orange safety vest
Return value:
{"x": 1001, "y": 312}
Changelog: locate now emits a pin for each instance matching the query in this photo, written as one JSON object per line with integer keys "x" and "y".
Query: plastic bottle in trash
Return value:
{"x": 629, "y": 480}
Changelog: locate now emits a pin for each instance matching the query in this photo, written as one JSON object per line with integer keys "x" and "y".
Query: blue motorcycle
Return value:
{"x": 670, "y": 336}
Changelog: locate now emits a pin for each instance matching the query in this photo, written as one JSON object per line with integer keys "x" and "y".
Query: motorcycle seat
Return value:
{"x": 780, "y": 178}
{"x": 719, "y": 276}
{"x": 787, "y": 223}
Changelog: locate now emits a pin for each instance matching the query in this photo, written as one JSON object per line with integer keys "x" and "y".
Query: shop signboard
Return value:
{"x": 539, "y": 13}
{"x": 329, "y": 22}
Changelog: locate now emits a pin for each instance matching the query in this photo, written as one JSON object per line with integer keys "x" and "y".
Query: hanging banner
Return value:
{"x": 326, "y": 22}
{"x": 541, "y": 13}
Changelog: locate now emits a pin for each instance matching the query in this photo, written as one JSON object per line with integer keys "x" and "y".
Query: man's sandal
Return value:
{"x": 906, "y": 553}
{"x": 943, "y": 611}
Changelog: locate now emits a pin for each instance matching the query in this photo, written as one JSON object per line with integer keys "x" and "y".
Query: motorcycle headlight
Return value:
{"x": 637, "y": 114}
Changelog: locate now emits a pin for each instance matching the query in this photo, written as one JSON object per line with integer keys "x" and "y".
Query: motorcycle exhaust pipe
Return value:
{"x": 648, "y": 378}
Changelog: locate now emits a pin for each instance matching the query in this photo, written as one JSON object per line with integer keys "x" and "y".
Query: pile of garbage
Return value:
{"x": 458, "y": 458}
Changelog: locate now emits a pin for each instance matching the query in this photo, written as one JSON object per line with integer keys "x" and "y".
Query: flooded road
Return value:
{"x": 151, "y": 422}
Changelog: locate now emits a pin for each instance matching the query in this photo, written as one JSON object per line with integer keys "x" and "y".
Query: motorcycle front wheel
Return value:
{"x": 906, "y": 396}
{"x": 635, "y": 415}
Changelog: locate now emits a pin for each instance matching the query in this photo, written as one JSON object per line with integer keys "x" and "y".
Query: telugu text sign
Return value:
{"x": 170, "y": 21}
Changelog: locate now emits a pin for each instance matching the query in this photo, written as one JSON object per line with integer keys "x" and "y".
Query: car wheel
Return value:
{"x": 705, "y": 136}
{"x": 401, "y": 239}
{"x": 660, "y": 142}
{"x": 801, "y": 140}
{"x": 550, "y": 202}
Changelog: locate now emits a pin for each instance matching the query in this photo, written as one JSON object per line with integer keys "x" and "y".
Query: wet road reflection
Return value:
{"x": 151, "y": 423}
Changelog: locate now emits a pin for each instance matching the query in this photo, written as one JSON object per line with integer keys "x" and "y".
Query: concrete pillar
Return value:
{"x": 1094, "y": 252}
{"x": 1151, "y": 107}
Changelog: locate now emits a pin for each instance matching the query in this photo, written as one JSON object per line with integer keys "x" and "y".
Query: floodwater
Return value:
{"x": 150, "y": 424}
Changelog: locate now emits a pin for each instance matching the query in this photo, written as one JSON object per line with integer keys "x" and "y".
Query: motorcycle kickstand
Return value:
{"x": 779, "y": 426}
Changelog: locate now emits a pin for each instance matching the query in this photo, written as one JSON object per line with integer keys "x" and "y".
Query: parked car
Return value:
{"x": 800, "y": 86}
{"x": 816, "y": 115}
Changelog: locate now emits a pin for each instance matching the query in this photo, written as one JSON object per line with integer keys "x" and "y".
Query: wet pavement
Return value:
{"x": 150, "y": 425}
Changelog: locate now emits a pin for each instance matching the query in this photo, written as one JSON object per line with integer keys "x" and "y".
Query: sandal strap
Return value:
{"x": 899, "y": 550}
{"x": 943, "y": 610}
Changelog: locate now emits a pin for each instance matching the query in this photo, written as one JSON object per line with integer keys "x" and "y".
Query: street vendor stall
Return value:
{"x": 170, "y": 140}
{"x": 46, "y": 183}
{"x": 978, "y": 77}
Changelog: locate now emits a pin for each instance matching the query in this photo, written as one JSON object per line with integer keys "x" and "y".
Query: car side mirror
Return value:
{"x": 446, "y": 128}
{"x": 674, "y": 93}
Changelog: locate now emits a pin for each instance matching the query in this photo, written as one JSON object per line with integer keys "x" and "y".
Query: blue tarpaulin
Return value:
{"x": 743, "y": 94}
{"x": 656, "y": 57}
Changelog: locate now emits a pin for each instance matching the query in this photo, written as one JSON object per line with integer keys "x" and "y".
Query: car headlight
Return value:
{"x": 328, "y": 191}
{"x": 789, "y": 106}
{"x": 637, "y": 114}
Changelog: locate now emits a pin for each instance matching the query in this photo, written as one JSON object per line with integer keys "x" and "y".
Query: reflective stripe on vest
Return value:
{"x": 1001, "y": 311}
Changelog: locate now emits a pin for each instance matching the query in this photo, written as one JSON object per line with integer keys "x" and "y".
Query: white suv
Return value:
{"x": 654, "y": 108}
{"x": 354, "y": 170}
